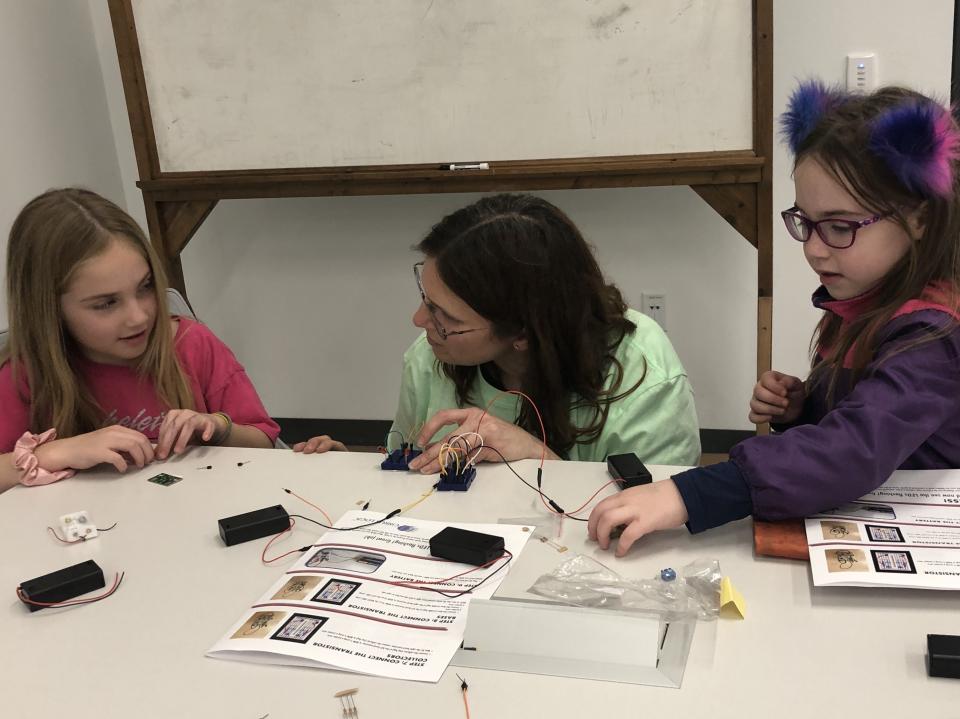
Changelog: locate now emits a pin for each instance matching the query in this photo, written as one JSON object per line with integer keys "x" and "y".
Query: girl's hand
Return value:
{"x": 318, "y": 445}
{"x": 640, "y": 510}
{"x": 776, "y": 397}
{"x": 511, "y": 440}
{"x": 181, "y": 425}
{"x": 110, "y": 445}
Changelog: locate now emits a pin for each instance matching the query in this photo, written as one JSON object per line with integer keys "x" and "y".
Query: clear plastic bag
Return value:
{"x": 692, "y": 592}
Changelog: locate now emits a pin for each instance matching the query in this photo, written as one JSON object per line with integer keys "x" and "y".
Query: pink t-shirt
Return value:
{"x": 218, "y": 380}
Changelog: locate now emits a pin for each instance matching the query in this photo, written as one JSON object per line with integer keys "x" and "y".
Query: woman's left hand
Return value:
{"x": 319, "y": 445}
{"x": 181, "y": 425}
{"x": 511, "y": 440}
{"x": 640, "y": 510}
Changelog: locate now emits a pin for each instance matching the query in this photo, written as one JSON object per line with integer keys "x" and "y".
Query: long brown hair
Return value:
{"x": 53, "y": 234}
{"x": 520, "y": 262}
{"x": 841, "y": 143}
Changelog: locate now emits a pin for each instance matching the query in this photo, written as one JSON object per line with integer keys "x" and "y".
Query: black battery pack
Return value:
{"x": 943, "y": 654}
{"x": 462, "y": 545}
{"x": 253, "y": 525}
{"x": 63, "y": 584}
{"x": 628, "y": 469}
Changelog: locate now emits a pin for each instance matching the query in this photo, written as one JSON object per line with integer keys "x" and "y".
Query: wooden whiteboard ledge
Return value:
{"x": 640, "y": 171}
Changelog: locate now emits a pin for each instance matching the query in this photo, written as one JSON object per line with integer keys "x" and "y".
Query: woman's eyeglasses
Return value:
{"x": 834, "y": 232}
{"x": 431, "y": 308}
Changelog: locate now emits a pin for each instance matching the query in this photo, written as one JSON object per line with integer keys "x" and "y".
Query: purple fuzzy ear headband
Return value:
{"x": 919, "y": 143}
{"x": 807, "y": 105}
{"x": 917, "y": 140}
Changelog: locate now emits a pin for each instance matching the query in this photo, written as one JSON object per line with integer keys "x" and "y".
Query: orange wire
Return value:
{"x": 274, "y": 538}
{"x": 318, "y": 508}
{"x": 582, "y": 506}
{"x": 543, "y": 451}
{"x": 466, "y": 706}
{"x": 543, "y": 432}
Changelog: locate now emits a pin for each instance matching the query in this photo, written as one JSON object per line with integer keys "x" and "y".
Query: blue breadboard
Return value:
{"x": 397, "y": 461}
{"x": 451, "y": 482}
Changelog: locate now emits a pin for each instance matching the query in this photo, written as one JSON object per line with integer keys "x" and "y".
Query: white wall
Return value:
{"x": 315, "y": 295}
{"x": 54, "y": 127}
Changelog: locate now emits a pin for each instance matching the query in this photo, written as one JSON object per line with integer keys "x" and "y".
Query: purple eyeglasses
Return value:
{"x": 834, "y": 232}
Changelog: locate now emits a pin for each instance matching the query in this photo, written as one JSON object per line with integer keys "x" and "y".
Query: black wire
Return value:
{"x": 510, "y": 467}
{"x": 106, "y": 529}
{"x": 456, "y": 595}
{"x": 401, "y": 583}
{"x": 535, "y": 489}
{"x": 394, "y": 513}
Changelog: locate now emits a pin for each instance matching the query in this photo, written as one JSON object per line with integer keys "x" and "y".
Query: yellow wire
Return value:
{"x": 416, "y": 502}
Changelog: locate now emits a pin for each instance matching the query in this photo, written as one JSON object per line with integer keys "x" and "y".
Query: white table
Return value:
{"x": 801, "y": 652}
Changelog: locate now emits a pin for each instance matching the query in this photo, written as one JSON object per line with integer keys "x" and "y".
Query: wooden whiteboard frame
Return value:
{"x": 737, "y": 184}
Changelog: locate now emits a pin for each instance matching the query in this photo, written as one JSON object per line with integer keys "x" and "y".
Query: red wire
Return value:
{"x": 318, "y": 508}
{"x": 543, "y": 451}
{"x": 506, "y": 553}
{"x": 543, "y": 432}
{"x": 116, "y": 583}
{"x": 581, "y": 507}
{"x": 274, "y": 538}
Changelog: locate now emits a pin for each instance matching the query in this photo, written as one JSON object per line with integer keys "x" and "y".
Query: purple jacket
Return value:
{"x": 904, "y": 413}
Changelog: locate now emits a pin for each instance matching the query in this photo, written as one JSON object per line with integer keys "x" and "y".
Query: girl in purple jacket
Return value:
{"x": 878, "y": 214}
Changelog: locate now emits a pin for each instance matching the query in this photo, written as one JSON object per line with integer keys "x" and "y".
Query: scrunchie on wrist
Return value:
{"x": 24, "y": 459}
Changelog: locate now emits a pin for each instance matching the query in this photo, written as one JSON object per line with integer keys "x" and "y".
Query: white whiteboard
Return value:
{"x": 258, "y": 84}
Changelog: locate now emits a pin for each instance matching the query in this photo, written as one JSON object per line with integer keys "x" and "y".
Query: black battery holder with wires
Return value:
{"x": 253, "y": 525}
{"x": 628, "y": 470}
{"x": 62, "y": 585}
{"x": 462, "y": 545}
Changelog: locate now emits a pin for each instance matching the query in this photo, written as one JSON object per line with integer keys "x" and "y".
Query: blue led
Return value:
{"x": 668, "y": 574}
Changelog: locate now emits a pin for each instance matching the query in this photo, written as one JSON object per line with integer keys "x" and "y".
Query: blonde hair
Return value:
{"x": 53, "y": 234}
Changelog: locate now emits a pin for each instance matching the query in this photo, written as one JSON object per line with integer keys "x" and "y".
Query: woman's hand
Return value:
{"x": 512, "y": 441}
{"x": 319, "y": 445}
{"x": 111, "y": 445}
{"x": 639, "y": 510}
{"x": 180, "y": 426}
{"x": 777, "y": 397}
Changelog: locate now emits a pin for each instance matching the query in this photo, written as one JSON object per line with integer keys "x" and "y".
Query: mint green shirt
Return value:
{"x": 657, "y": 420}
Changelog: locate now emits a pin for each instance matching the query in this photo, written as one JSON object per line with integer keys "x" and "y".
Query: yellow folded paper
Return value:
{"x": 731, "y": 600}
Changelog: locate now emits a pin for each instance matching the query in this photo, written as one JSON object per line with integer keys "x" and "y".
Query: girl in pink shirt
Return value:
{"x": 94, "y": 370}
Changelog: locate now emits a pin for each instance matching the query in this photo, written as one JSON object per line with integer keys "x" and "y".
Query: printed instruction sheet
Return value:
{"x": 906, "y": 533}
{"x": 364, "y": 601}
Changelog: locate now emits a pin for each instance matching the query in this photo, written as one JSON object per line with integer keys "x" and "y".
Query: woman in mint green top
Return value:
{"x": 513, "y": 298}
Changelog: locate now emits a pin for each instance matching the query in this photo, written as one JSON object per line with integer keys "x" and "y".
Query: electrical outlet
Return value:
{"x": 862, "y": 72}
{"x": 655, "y": 307}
